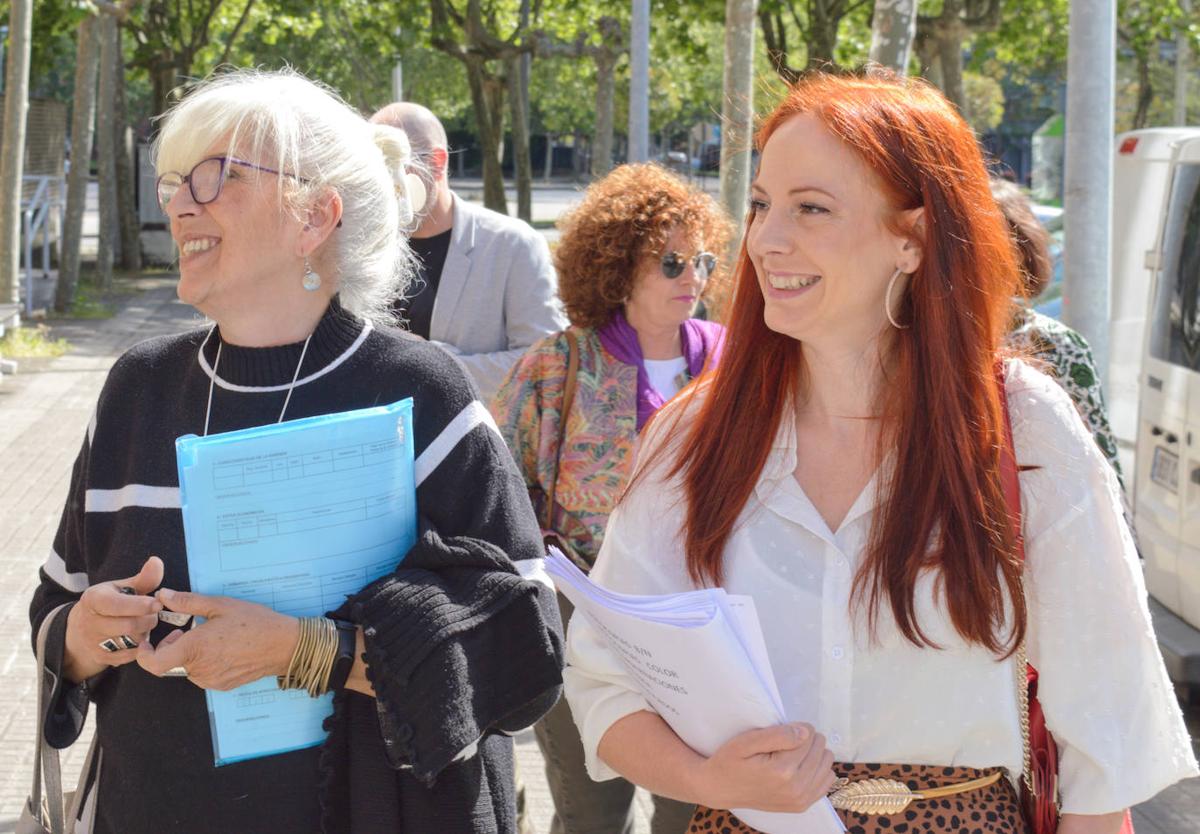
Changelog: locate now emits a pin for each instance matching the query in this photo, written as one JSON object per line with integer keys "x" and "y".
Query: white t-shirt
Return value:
{"x": 1105, "y": 692}
{"x": 663, "y": 374}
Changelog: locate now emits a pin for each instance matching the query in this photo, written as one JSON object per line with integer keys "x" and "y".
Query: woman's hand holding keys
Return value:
{"x": 110, "y": 620}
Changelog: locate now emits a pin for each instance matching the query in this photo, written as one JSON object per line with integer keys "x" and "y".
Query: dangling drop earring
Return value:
{"x": 887, "y": 301}
{"x": 311, "y": 280}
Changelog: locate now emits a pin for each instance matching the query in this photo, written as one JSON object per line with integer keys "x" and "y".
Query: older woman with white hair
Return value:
{"x": 289, "y": 211}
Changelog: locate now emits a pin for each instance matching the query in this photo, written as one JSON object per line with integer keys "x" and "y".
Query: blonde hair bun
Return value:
{"x": 397, "y": 155}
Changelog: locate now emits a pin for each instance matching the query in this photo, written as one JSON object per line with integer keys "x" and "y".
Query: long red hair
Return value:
{"x": 943, "y": 508}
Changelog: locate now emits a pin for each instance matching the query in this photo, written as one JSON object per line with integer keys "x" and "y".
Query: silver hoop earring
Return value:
{"x": 887, "y": 301}
{"x": 311, "y": 280}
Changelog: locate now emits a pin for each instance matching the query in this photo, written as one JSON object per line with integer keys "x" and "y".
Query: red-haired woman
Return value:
{"x": 842, "y": 466}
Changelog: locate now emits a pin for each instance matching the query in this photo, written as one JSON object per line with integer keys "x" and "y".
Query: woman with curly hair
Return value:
{"x": 633, "y": 262}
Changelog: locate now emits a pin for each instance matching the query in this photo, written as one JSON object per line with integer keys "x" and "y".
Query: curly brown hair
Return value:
{"x": 624, "y": 217}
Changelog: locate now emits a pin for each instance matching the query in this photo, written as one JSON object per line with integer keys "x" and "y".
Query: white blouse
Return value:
{"x": 1105, "y": 692}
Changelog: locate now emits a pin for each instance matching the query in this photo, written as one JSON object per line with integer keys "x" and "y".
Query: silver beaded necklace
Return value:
{"x": 217, "y": 363}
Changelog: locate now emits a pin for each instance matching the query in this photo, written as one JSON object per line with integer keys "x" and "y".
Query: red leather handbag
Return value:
{"x": 1039, "y": 786}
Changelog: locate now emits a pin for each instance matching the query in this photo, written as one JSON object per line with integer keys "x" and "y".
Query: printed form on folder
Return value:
{"x": 294, "y": 516}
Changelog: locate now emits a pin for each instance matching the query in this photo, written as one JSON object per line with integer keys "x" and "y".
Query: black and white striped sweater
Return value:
{"x": 123, "y": 506}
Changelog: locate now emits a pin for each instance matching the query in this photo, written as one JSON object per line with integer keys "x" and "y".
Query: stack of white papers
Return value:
{"x": 700, "y": 659}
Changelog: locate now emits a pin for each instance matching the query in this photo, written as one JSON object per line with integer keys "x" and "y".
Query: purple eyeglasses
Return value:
{"x": 205, "y": 179}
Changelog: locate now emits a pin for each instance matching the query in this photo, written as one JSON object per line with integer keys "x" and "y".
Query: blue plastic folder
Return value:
{"x": 294, "y": 516}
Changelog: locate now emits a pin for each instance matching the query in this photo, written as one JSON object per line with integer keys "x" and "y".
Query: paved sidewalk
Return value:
{"x": 44, "y": 411}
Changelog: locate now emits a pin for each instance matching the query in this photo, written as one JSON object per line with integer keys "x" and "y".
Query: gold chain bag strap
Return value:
{"x": 549, "y": 535}
{"x": 1039, "y": 781}
{"x": 1039, "y": 784}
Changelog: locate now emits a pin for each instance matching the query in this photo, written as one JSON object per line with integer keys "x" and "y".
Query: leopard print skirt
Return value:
{"x": 994, "y": 809}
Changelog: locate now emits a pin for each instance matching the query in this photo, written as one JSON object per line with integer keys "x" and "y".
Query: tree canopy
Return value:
{"x": 1000, "y": 60}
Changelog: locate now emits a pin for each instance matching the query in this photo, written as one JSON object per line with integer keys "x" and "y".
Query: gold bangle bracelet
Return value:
{"x": 313, "y": 659}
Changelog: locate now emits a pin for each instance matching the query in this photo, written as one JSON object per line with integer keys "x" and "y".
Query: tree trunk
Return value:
{"x": 949, "y": 47}
{"x": 892, "y": 33}
{"x": 12, "y": 155}
{"x": 775, "y": 42}
{"x": 737, "y": 119}
{"x": 926, "y": 47}
{"x": 822, "y": 38}
{"x": 519, "y": 115}
{"x": 737, "y": 110}
{"x": 580, "y": 160}
{"x": 163, "y": 82}
{"x": 1183, "y": 66}
{"x": 638, "y": 133}
{"x": 82, "y": 117}
{"x": 602, "y": 141}
{"x": 106, "y": 157}
{"x": 493, "y": 92}
{"x": 489, "y": 139}
{"x": 548, "y": 168}
{"x": 167, "y": 76}
{"x": 1145, "y": 94}
{"x": 127, "y": 175}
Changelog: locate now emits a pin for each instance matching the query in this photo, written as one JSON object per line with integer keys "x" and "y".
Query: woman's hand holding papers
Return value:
{"x": 239, "y": 641}
{"x": 783, "y": 768}
{"x": 106, "y": 614}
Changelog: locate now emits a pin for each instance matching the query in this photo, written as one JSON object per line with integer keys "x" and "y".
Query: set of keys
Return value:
{"x": 124, "y": 641}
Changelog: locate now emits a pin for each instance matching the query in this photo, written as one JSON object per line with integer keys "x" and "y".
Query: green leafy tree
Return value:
{"x": 942, "y": 33}
{"x": 604, "y": 46}
{"x": 1143, "y": 28}
{"x": 168, "y": 35}
{"x": 351, "y": 45}
{"x": 1027, "y": 46}
{"x": 984, "y": 102}
{"x": 811, "y": 29}
{"x": 484, "y": 35}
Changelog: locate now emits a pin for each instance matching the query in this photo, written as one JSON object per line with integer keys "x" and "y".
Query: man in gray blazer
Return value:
{"x": 486, "y": 288}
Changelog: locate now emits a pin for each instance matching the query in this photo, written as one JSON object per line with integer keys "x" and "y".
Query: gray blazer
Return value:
{"x": 498, "y": 293}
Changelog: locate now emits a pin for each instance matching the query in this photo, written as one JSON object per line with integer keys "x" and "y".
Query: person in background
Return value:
{"x": 1066, "y": 354}
{"x": 635, "y": 258}
{"x": 851, "y": 464}
{"x": 290, "y": 211}
{"x": 485, "y": 287}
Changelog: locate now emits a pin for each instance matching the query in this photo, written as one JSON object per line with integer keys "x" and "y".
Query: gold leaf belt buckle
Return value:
{"x": 887, "y": 796}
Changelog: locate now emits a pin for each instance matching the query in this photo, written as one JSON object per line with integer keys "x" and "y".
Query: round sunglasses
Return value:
{"x": 673, "y": 264}
{"x": 205, "y": 179}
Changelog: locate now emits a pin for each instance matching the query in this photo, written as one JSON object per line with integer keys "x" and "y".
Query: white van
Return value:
{"x": 1167, "y": 495}
{"x": 1141, "y": 176}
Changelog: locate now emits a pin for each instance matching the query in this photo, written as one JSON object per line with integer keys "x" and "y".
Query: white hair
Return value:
{"x": 284, "y": 121}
